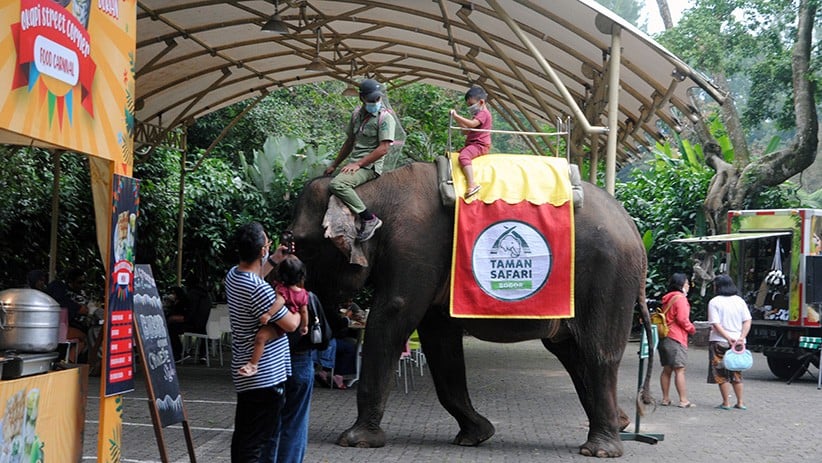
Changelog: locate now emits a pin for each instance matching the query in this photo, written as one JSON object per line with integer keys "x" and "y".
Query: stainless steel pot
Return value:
{"x": 29, "y": 320}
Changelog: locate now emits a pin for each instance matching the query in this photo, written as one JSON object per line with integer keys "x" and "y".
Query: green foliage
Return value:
{"x": 261, "y": 171}
{"x": 423, "y": 110}
{"x": 772, "y": 145}
{"x": 749, "y": 42}
{"x": 156, "y": 242}
{"x": 665, "y": 199}
{"x": 25, "y": 216}
{"x": 720, "y": 134}
{"x": 217, "y": 201}
{"x": 810, "y": 200}
{"x": 291, "y": 156}
{"x": 316, "y": 113}
{"x": 648, "y": 240}
{"x": 25, "y": 208}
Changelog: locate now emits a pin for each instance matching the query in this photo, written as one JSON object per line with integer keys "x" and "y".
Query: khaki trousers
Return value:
{"x": 342, "y": 186}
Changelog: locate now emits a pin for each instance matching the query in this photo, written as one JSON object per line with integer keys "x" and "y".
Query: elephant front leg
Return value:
{"x": 381, "y": 350}
{"x": 442, "y": 343}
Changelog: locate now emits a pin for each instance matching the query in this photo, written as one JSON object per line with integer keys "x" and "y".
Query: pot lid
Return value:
{"x": 26, "y": 297}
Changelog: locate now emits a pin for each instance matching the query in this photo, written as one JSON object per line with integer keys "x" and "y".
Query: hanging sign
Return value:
{"x": 67, "y": 74}
{"x": 119, "y": 369}
{"x": 513, "y": 254}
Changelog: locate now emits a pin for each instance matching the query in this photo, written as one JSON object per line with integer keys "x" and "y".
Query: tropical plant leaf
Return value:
{"x": 648, "y": 240}
{"x": 691, "y": 156}
{"x": 720, "y": 133}
{"x": 285, "y": 152}
{"x": 316, "y": 161}
{"x": 772, "y": 145}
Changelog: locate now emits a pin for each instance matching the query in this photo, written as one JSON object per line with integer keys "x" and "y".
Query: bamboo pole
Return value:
{"x": 55, "y": 213}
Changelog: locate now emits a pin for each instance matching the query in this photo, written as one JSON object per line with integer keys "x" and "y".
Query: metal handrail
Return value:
{"x": 514, "y": 132}
{"x": 560, "y": 124}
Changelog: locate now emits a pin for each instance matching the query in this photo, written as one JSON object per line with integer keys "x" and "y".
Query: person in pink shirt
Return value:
{"x": 673, "y": 349}
{"x": 476, "y": 143}
{"x": 290, "y": 283}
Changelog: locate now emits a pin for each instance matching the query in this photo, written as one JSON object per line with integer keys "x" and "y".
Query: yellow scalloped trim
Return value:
{"x": 515, "y": 178}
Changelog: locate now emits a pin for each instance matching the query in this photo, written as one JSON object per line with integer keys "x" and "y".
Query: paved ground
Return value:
{"x": 524, "y": 391}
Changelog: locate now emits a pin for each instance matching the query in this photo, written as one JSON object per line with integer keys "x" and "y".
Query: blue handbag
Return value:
{"x": 738, "y": 358}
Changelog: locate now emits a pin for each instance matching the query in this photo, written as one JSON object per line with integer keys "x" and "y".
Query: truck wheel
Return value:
{"x": 784, "y": 368}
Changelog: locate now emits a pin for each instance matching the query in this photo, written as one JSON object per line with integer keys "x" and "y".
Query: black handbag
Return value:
{"x": 319, "y": 331}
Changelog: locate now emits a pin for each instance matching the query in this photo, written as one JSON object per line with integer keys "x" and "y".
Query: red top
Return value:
{"x": 480, "y": 138}
{"x": 679, "y": 317}
{"x": 294, "y": 298}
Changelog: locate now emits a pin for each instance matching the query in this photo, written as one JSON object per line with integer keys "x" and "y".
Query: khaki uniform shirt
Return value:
{"x": 368, "y": 131}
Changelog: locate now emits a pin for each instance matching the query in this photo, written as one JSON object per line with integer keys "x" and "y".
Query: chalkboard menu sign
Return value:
{"x": 155, "y": 348}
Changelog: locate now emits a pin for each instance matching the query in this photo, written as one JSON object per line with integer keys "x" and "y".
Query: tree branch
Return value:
{"x": 774, "y": 168}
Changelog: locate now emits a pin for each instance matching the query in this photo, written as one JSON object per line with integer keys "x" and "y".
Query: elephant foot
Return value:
{"x": 362, "y": 437}
{"x": 475, "y": 434}
{"x": 602, "y": 448}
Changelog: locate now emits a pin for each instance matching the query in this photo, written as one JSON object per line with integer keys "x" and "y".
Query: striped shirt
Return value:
{"x": 249, "y": 297}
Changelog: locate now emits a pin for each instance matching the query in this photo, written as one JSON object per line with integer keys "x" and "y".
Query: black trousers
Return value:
{"x": 255, "y": 422}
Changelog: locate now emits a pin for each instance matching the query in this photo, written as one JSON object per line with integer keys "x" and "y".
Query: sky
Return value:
{"x": 655, "y": 20}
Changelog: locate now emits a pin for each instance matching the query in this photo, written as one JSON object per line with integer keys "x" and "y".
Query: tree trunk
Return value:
{"x": 730, "y": 188}
{"x": 665, "y": 12}
{"x": 730, "y": 115}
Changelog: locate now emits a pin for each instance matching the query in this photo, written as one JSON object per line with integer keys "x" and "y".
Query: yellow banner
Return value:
{"x": 515, "y": 177}
{"x": 43, "y": 416}
{"x": 67, "y": 75}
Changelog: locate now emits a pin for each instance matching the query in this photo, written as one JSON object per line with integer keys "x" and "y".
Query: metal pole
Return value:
{"x": 180, "y": 219}
{"x": 613, "y": 108}
{"x": 566, "y": 95}
{"x": 55, "y": 214}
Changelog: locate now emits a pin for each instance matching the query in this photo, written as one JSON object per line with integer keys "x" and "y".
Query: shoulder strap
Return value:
{"x": 670, "y": 303}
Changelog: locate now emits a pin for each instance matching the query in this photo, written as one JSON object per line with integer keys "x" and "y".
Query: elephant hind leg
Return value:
{"x": 442, "y": 342}
{"x": 595, "y": 383}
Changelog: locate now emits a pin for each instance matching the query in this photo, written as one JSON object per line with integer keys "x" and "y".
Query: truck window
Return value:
{"x": 813, "y": 279}
{"x": 756, "y": 261}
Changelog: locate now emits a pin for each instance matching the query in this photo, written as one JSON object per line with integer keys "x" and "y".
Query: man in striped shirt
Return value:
{"x": 259, "y": 397}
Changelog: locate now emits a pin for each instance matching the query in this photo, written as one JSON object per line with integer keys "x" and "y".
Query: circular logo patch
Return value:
{"x": 511, "y": 260}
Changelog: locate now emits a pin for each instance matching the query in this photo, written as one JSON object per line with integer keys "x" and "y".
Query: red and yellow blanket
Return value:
{"x": 513, "y": 253}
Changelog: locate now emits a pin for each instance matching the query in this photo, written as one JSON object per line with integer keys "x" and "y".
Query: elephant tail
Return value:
{"x": 644, "y": 396}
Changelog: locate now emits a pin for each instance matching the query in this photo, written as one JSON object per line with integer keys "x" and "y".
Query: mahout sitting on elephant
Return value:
{"x": 408, "y": 270}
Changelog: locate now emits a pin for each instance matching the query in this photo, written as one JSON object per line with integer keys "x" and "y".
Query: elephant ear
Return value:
{"x": 341, "y": 228}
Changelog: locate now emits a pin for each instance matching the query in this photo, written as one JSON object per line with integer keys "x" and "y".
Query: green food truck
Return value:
{"x": 775, "y": 258}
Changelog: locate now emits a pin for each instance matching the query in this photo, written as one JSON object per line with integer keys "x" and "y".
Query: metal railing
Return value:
{"x": 563, "y": 130}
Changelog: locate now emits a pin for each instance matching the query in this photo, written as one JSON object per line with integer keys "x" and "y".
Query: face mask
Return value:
{"x": 373, "y": 108}
{"x": 264, "y": 258}
{"x": 474, "y": 108}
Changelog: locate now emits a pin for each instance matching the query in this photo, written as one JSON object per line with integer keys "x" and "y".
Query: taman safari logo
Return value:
{"x": 511, "y": 260}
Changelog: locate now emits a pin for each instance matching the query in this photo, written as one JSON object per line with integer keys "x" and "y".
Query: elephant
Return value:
{"x": 408, "y": 270}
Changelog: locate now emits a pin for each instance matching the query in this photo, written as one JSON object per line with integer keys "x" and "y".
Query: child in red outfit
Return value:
{"x": 291, "y": 276}
{"x": 476, "y": 143}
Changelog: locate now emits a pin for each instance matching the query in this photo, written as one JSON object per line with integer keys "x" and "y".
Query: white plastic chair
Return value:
{"x": 188, "y": 338}
{"x": 213, "y": 333}
{"x": 404, "y": 366}
{"x": 225, "y": 328}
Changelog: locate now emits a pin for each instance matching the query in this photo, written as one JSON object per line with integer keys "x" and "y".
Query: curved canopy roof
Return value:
{"x": 196, "y": 56}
